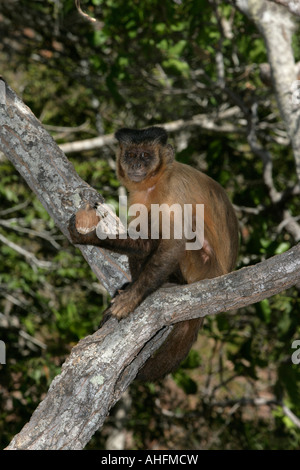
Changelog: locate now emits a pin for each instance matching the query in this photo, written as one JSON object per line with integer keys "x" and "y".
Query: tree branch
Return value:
{"x": 292, "y": 5}
{"x": 30, "y": 257}
{"x": 208, "y": 123}
{"x": 53, "y": 179}
{"x": 103, "y": 365}
{"x": 276, "y": 25}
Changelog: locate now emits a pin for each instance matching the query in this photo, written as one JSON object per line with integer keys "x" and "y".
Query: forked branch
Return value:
{"x": 103, "y": 365}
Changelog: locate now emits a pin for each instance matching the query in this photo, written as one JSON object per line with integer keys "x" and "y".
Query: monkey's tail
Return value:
{"x": 172, "y": 352}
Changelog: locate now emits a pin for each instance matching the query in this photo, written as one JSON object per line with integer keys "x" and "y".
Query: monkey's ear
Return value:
{"x": 168, "y": 153}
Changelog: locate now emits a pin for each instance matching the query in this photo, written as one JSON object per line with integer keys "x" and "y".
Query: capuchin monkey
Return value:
{"x": 147, "y": 168}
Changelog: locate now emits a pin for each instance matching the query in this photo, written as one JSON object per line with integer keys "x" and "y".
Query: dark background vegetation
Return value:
{"x": 146, "y": 63}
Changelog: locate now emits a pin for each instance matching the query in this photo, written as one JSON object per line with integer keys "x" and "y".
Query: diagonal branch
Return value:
{"x": 53, "y": 179}
{"x": 103, "y": 365}
{"x": 276, "y": 24}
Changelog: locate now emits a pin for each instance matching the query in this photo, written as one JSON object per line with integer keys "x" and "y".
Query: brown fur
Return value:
{"x": 146, "y": 166}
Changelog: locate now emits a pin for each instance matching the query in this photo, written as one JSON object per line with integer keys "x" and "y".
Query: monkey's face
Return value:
{"x": 138, "y": 162}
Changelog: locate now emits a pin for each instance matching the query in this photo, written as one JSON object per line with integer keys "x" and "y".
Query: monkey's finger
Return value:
{"x": 119, "y": 310}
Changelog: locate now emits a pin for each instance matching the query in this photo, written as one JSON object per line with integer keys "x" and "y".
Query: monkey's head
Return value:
{"x": 142, "y": 154}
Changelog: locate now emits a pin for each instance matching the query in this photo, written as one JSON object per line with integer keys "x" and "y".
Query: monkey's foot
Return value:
{"x": 123, "y": 304}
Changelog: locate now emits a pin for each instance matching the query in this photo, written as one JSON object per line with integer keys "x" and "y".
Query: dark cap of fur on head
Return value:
{"x": 137, "y": 136}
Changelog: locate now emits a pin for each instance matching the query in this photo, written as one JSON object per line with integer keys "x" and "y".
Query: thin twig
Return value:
{"x": 41, "y": 234}
{"x": 29, "y": 256}
{"x": 84, "y": 15}
{"x": 295, "y": 420}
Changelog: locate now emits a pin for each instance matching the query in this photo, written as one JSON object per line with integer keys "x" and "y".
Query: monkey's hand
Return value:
{"x": 82, "y": 226}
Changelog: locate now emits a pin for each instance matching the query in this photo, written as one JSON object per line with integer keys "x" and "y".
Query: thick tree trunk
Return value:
{"x": 276, "y": 25}
{"x": 53, "y": 179}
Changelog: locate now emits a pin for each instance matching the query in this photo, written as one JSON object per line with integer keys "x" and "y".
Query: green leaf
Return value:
{"x": 266, "y": 310}
{"x": 284, "y": 246}
{"x": 185, "y": 382}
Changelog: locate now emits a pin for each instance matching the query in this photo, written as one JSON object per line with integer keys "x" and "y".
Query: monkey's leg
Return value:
{"x": 156, "y": 271}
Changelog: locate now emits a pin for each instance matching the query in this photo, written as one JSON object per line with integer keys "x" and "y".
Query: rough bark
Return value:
{"x": 292, "y": 5}
{"x": 53, "y": 179}
{"x": 103, "y": 365}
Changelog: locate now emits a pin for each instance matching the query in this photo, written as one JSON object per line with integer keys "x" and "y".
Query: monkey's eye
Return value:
{"x": 130, "y": 154}
{"x": 145, "y": 155}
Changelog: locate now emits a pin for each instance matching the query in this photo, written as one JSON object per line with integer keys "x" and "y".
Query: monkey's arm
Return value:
{"x": 125, "y": 246}
{"x": 163, "y": 258}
